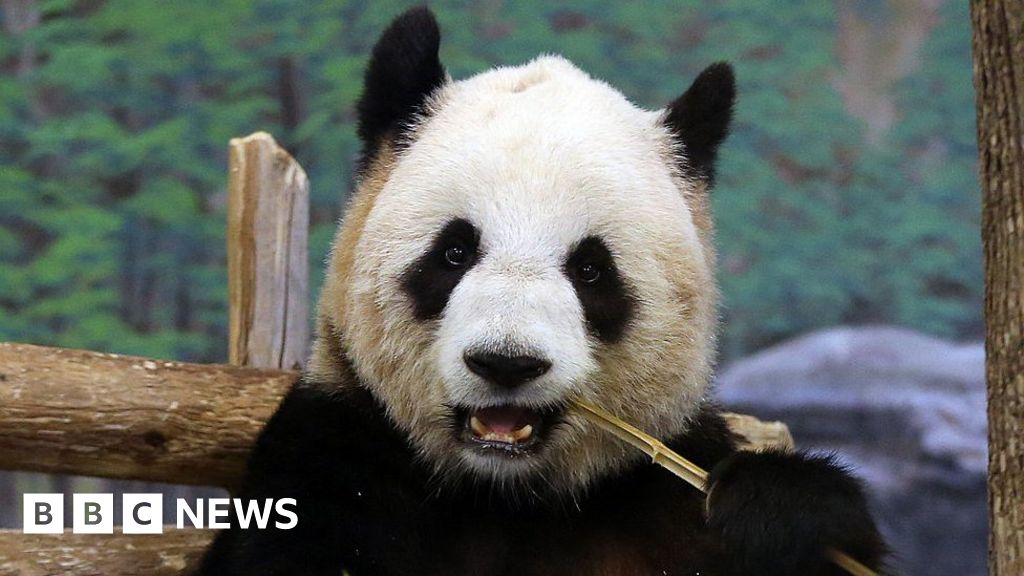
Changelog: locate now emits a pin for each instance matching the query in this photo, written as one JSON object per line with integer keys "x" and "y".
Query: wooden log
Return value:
{"x": 998, "y": 43}
{"x": 167, "y": 554}
{"x": 757, "y": 435}
{"x": 77, "y": 412}
{"x": 268, "y": 221}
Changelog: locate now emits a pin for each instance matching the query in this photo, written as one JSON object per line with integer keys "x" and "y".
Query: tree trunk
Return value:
{"x": 20, "y": 17}
{"x": 999, "y": 80}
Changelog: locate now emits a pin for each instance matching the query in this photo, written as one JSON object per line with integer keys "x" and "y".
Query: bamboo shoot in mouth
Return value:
{"x": 681, "y": 467}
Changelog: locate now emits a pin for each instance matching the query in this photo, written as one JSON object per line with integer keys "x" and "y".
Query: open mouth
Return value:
{"x": 507, "y": 429}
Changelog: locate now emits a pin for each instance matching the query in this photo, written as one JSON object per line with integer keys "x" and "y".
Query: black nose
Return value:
{"x": 505, "y": 371}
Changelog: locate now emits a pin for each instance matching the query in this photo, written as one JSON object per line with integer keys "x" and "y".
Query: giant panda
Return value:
{"x": 517, "y": 239}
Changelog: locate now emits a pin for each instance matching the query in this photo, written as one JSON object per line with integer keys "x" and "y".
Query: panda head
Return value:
{"x": 517, "y": 239}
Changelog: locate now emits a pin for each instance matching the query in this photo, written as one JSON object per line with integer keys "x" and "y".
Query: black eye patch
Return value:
{"x": 429, "y": 281}
{"x": 608, "y": 303}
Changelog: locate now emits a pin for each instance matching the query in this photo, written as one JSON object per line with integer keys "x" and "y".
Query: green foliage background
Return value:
{"x": 115, "y": 115}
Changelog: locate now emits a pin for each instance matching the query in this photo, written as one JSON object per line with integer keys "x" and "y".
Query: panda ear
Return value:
{"x": 700, "y": 118}
{"x": 404, "y": 70}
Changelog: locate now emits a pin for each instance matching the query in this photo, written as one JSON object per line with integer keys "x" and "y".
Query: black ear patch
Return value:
{"x": 404, "y": 70}
{"x": 700, "y": 118}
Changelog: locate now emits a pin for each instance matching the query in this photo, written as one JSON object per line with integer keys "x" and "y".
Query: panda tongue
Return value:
{"x": 504, "y": 419}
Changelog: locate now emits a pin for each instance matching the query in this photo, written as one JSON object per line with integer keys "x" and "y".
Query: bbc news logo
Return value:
{"x": 143, "y": 513}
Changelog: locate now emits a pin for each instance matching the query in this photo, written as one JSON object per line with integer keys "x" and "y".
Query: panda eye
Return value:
{"x": 456, "y": 256}
{"x": 588, "y": 273}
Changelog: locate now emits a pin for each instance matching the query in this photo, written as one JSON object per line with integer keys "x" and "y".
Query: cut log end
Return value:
{"x": 757, "y": 435}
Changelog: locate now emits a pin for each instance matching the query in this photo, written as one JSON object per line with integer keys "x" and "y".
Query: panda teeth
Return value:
{"x": 484, "y": 433}
{"x": 522, "y": 433}
{"x": 503, "y": 438}
{"x": 478, "y": 427}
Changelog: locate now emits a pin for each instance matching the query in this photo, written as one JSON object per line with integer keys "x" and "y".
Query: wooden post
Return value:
{"x": 999, "y": 81}
{"x": 268, "y": 220}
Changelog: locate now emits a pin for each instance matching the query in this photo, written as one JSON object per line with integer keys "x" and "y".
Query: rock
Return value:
{"x": 905, "y": 410}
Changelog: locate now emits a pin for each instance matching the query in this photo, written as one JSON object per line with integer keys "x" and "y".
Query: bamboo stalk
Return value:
{"x": 681, "y": 467}
{"x": 659, "y": 453}
{"x": 849, "y": 564}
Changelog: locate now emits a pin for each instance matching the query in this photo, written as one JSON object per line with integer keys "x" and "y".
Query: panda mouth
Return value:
{"x": 507, "y": 429}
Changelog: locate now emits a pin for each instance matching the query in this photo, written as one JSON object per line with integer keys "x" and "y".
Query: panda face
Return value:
{"x": 532, "y": 242}
{"x": 517, "y": 240}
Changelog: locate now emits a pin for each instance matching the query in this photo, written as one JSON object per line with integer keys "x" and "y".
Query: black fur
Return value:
{"x": 608, "y": 303}
{"x": 794, "y": 506}
{"x": 429, "y": 281}
{"x": 700, "y": 119}
{"x": 349, "y": 471}
{"x": 404, "y": 71}
{"x": 368, "y": 505}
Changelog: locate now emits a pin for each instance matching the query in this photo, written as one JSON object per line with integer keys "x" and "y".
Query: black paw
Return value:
{"x": 778, "y": 513}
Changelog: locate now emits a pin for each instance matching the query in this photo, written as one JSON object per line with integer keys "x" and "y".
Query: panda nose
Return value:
{"x": 505, "y": 371}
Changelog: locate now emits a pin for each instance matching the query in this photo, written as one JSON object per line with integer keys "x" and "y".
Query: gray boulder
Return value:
{"x": 906, "y": 411}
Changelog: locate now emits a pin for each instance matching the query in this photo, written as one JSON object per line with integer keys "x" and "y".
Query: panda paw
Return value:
{"x": 778, "y": 513}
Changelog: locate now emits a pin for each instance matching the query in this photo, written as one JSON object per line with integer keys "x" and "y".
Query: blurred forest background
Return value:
{"x": 848, "y": 192}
